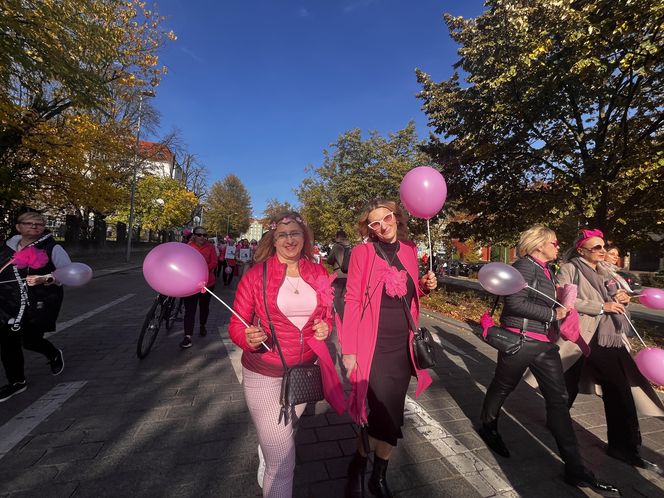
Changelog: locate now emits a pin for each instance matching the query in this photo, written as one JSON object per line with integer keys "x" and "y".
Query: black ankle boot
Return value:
{"x": 356, "y": 471}
{"x": 378, "y": 481}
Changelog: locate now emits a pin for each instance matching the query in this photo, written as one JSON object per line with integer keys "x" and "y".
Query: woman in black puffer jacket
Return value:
{"x": 537, "y": 318}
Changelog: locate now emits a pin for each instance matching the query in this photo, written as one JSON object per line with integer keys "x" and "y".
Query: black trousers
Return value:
{"x": 339, "y": 296}
{"x": 544, "y": 362}
{"x": 607, "y": 368}
{"x": 202, "y": 300}
{"x": 11, "y": 352}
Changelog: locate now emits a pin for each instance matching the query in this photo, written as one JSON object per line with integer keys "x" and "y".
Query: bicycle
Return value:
{"x": 164, "y": 309}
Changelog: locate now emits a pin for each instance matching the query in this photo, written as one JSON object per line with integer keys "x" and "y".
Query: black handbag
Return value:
{"x": 505, "y": 341}
{"x": 300, "y": 383}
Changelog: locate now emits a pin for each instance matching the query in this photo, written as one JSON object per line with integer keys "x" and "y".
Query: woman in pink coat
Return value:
{"x": 382, "y": 286}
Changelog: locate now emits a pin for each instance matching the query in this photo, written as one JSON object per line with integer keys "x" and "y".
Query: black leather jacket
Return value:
{"x": 529, "y": 304}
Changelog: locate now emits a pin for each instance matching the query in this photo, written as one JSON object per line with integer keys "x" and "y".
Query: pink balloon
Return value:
{"x": 651, "y": 364}
{"x": 652, "y": 298}
{"x": 501, "y": 279}
{"x": 423, "y": 192}
{"x": 73, "y": 274}
{"x": 175, "y": 269}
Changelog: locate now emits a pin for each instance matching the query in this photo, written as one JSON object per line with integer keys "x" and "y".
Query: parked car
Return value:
{"x": 454, "y": 268}
{"x": 632, "y": 280}
{"x": 475, "y": 267}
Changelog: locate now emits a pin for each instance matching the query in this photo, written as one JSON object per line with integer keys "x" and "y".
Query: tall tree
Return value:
{"x": 67, "y": 56}
{"x": 273, "y": 208}
{"x": 228, "y": 207}
{"x": 559, "y": 119}
{"x": 354, "y": 172}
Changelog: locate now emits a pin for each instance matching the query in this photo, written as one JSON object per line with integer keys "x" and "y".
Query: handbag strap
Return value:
{"x": 406, "y": 309}
{"x": 269, "y": 320}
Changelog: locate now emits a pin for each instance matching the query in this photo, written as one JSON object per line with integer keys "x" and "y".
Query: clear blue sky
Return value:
{"x": 260, "y": 88}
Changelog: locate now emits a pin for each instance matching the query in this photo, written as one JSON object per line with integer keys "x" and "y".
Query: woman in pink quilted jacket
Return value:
{"x": 383, "y": 285}
{"x": 299, "y": 301}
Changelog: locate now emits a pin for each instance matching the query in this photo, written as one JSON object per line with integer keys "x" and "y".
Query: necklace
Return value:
{"x": 295, "y": 287}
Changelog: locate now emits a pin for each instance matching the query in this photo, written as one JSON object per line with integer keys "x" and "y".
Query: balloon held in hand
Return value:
{"x": 501, "y": 279}
{"x": 423, "y": 192}
{"x": 73, "y": 274}
{"x": 175, "y": 269}
{"x": 652, "y": 298}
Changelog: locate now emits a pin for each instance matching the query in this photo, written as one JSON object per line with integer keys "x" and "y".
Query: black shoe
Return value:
{"x": 493, "y": 440}
{"x": 588, "y": 480}
{"x": 635, "y": 460}
{"x": 186, "y": 342}
{"x": 203, "y": 331}
{"x": 57, "y": 363}
{"x": 10, "y": 390}
{"x": 378, "y": 480}
{"x": 356, "y": 470}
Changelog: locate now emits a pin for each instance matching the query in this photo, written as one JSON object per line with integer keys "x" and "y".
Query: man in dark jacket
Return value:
{"x": 338, "y": 259}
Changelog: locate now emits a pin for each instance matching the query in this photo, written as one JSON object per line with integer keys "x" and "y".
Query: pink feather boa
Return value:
{"x": 30, "y": 257}
{"x": 395, "y": 282}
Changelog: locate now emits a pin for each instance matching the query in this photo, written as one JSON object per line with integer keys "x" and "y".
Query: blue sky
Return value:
{"x": 260, "y": 88}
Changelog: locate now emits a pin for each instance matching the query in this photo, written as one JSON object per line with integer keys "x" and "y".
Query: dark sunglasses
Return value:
{"x": 597, "y": 248}
{"x": 201, "y": 234}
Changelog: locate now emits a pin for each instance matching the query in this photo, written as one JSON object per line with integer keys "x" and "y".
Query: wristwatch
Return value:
{"x": 601, "y": 311}
{"x": 50, "y": 279}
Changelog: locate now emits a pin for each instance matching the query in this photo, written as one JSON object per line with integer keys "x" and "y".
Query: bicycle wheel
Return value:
{"x": 170, "y": 309}
{"x": 150, "y": 328}
{"x": 178, "y": 308}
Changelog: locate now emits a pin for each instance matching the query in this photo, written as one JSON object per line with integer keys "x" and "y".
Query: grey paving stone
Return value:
{"x": 450, "y": 488}
{"x": 335, "y": 432}
{"x": 11, "y": 481}
{"x": 318, "y": 451}
{"x": 50, "y": 490}
{"x": 64, "y": 454}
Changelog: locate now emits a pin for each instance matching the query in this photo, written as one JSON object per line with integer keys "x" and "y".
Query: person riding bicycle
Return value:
{"x": 204, "y": 246}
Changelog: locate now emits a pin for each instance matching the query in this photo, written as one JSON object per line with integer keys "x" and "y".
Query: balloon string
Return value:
{"x": 430, "y": 251}
{"x": 634, "y": 329}
{"x": 548, "y": 297}
{"x": 14, "y": 280}
{"x": 234, "y": 312}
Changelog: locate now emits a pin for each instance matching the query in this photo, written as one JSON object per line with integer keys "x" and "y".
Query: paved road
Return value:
{"x": 175, "y": 424}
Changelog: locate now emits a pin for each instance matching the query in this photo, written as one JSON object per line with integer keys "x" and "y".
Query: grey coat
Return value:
{"x": 589, "y": 304}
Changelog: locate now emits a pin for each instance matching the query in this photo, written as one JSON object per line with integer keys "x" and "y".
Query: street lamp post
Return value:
{"x": 132, "y": 197}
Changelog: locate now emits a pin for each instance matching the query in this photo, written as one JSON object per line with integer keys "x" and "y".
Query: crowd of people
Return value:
{"x": 286, "y": 305}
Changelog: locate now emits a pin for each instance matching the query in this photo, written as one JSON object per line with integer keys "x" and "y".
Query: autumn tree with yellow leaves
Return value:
{"x": 70, "y": 74}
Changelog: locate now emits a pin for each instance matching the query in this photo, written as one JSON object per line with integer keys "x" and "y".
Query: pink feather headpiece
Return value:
{"x": 587, "y": 234}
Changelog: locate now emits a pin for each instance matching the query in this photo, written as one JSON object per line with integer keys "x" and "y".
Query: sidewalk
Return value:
{"x": 176, "y": 425}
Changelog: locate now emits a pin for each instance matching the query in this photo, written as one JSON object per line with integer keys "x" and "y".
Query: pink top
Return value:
{"x": 535, "y": 335}
{"x": 297, "y": 306}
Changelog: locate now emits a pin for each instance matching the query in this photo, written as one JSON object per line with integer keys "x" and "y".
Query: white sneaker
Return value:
{"x": 261, "y": 467}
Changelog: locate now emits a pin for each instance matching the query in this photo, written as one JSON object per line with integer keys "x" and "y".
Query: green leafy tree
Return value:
{"x": 559, "y": 119}
{"x": 228, "y": 207}
{"x": 273, "y": 208}
{"x": 353, "y": 173}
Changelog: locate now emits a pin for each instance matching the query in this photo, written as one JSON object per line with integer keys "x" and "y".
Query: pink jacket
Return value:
{"x": 359, "y": 332}
{"x": 297, "y": 347}
{"x": 210, "y": 255}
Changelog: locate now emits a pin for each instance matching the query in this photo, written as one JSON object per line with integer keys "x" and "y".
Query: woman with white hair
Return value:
{"x": 30, "y": 299}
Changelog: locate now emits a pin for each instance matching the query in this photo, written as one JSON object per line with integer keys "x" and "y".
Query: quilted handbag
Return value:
{"x": 301, "y": 383}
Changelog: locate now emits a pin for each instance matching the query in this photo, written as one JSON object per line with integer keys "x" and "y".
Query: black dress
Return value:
{"x": 391, "y": 367}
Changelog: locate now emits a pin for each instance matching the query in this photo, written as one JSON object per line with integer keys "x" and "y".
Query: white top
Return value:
{"x": 297, "y": 300}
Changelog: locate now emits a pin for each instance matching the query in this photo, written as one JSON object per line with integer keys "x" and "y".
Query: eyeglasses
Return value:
{"x": 32, "y": 224}
{"x": 597, "y": 248}
{"x": 555, "y": 244}
{"x": 388, "y": 219}
{"x": 288, "y": 235}
{"x": 201, "y": 234}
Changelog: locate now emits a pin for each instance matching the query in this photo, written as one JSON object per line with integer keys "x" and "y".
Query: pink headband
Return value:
{"x": 286, "y": 220}
{"x": 587, "y": 234}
